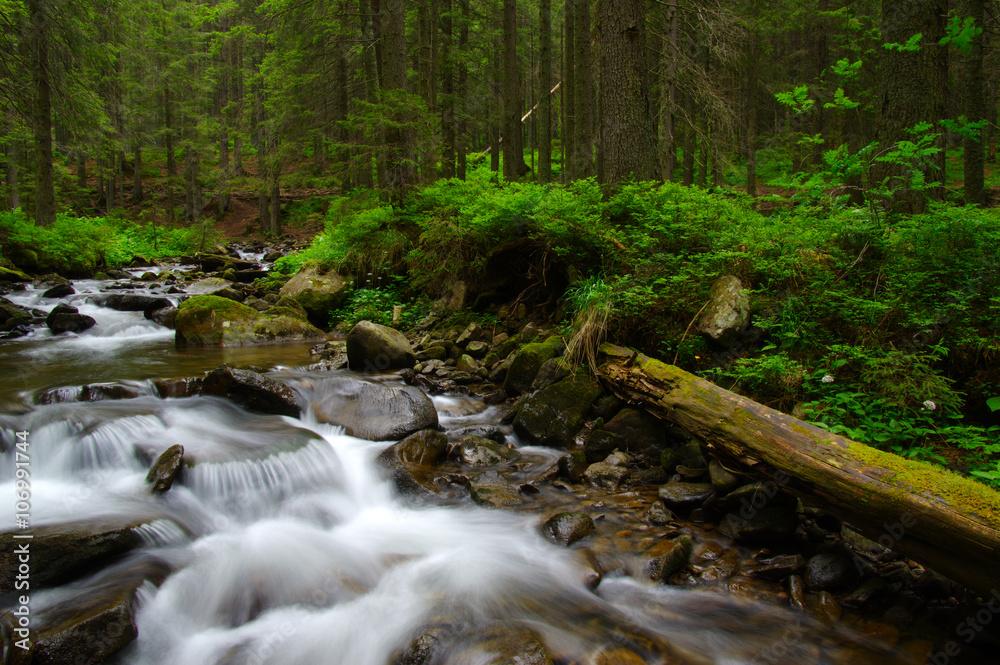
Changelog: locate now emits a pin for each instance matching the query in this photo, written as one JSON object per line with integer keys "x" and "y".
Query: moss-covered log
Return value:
{"x": 948, "y": 523}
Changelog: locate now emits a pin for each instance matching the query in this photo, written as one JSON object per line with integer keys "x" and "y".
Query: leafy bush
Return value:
{"x": 376, "y": 304}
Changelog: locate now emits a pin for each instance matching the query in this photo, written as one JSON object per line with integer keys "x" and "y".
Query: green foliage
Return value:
{"x": 376, "y": 304}
{"x": 960, "y": 33}
{"x": 76, "y": 245}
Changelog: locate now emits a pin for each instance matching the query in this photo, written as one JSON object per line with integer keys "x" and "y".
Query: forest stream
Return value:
{"x": 284, "y": 542}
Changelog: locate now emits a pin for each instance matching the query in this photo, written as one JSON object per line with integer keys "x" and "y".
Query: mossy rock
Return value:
{"x": 317, "y": 290}
{"x": 215, "y": 321}
{"x": 552, "y": 416}
{"x": 528, "y": 362}
{"x": 13, "y": 275}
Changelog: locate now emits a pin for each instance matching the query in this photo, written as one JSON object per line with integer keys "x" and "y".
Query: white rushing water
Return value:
{"x": 289, "y": 546}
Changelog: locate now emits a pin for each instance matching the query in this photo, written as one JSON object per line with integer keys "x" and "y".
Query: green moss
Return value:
{"x": 13, "y": 275}
{"x": 923, "y": 478}
{"x": 224, "y": 307}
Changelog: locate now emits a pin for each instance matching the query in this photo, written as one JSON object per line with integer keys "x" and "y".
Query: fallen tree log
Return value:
{"x": 949, "y": 523}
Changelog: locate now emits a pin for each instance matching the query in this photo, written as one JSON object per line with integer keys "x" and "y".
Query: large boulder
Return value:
{"x": 250, "y": 390}
{"x": 376, "y": 348}
{"x": 13, "y": 275}
{"x": 318, "y": 290}
{"x": 63, "y": 552}
{"x": 214, "y": 321}
{"x": 375, "y": 411}
{"x": 728, "y": 312}
{"x": 13, "y": 318}
{"x": 552, "y": 416}
{"x": 136, "y": 302}
{"x": 526, "y": 363}
{"x": 411, "y": 462}
{"x": 639, "y": 432}
{"x": 66, "y": 318}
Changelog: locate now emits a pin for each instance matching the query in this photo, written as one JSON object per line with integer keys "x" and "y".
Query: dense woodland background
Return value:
{"x": 208, "y": 98}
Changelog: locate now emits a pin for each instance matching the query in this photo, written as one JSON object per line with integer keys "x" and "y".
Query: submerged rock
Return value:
{"x": 668, "y": 558}
{"x": 376, "y": 348}
{"x": 250, "y": 390}
{"x": 685, "y": 495}
{"x": 500, "y": 645}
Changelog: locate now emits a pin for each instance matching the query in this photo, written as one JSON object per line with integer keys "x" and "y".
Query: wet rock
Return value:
{"x": 66, "y": 318}
{"x": 500, "y": 645}
{"x": 134, "y": 302}
{"x": 61, "y": 553}
{"x": 13, "y": 275}
{"x": 165, "y": 316}
{"x": 466, "y": 363}
{"x": 552, "y": 371}
{"x": 376, "y": 411}
{"x": 829, "y": 571}
{"x": 412, "y": 460}
{"x": 659, "y": 515}
{"x": 91, "y": 626}
{"x": 797, "y": 593}
{"x": 869, "y": 590}
{"x": 212, "y": 262}
{"x": 572, "y": 466}
{"x": 318, "y": 290}
{"x": 827, "y": 608}
{"x": 252, "y": 391}
{"x": 376, "y": 348}
{"x": 207, "y": 286}
{"x": 492, "y": 432}
{"x": 491, "y": 490}
{"x": 722, "y": 480}
{"x": 667, "y": 558}
{"x": 552, "y": 416}
{"x": 95, "y": 392}
{"x": 527, "y": 362}
{"x": 164, "y": 470}
{"x": 478, "y": 451}
{"x": 472, "y": 333}
{"x": 642, "y": 433}
{"x": 651, "y": 476}
{"x": 567, "y": 528}
{"x": 59, "y": 291}
{"x": 684, "y": 496}
{"x": 688, "y": 454}
{"x": 777, "y": 568}
{"x": 477, "y": 349}
{"x": 212, "y": 321}
{"x": 767, "y": 525}
{"x": 727, "y": 314}
{"x": 432, "y": 353}
{"x": 755, "y": 496}
{"x": 187, "y": 387}
{"x": 230, "y": 293}
{"x": 12, "y": 316}
{"x": 606, "y": 476}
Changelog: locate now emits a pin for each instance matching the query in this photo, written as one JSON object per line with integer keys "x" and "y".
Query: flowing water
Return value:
{"x": 287, "y": 545}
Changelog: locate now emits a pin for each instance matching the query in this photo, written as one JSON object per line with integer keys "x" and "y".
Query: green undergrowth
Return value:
{"x": 899, "y": 311}
{"x": 78, "y": 246}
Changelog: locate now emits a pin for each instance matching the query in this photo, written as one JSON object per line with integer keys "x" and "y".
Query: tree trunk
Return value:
{"x": 45, "y": 193}
{"x": 584, "y": 96}
{"x": 513, "y": 146}
{"x": 628, "y": 138}
{"x": 568, "y": 137}
{"x": 398, "y": 171}
{"x": 668, "y": 94}
{"x": 137, "y": 194}
{"x": 903, "y": 99}
{"x": 81, "y": 169}
{"x": 975, "y": 110}
{"x": 13, "y": 171}
{"x": 461, "y": 91}
{"x": 544, "y": 90}
{"x": 949, "y": 523}
{"x": 275, "y": 228}
{"x": 496, "y": 118}
{"x": 689, "y": 140}
{"x": 447, "y": 92}
{"x": 751, "y": 115}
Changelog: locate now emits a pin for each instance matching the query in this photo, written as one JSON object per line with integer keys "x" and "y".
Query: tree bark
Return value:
{"x": 903, "y": 99}
{"x": 668, "y": 94}
{"x": 13, "y": 171}
{"x": 544, "y": 91}
{"x": 584, "y": 98}
{"x": 949, "y": 523}
{"x": 513, "y": 146}
{"x": 975, "y": 110}
{"x": 398, "y": 171}
{"x": 45, "y": 193}
{"x": 568, "y": 142}
{"x": 461, "y": 88}
{"x": 137, "y": 193}
{"x": 627, "y": 135}
{"x": 448, "y": 130}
